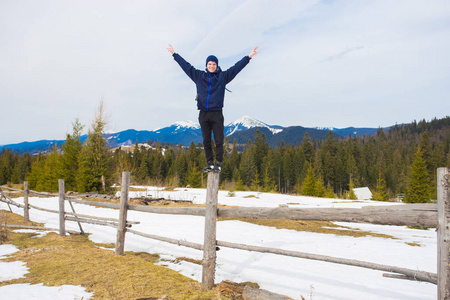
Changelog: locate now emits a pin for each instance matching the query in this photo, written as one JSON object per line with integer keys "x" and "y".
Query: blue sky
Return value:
{"x": 320, "y": 63}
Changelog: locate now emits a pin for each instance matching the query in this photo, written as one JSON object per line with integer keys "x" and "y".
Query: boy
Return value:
{"x": 211, "y": 86}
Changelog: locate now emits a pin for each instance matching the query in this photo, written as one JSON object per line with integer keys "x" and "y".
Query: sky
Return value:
{"x": 320, "y": 63}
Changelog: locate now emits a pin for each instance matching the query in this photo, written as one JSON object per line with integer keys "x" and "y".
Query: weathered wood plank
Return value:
{"x": 192, "y": 211}
{"x": 209, "y": 245}
{"x": 62, "y": 225}
{"x": 443, "y": 236}
{"x": 43, "y": 209}
{"x": 168, "y": 240}
{"x": 418, "y": 275}
{"x": 97, "y": 203}
{"x": 8, "y": 200}
{"x": 92, "y": 221}
{"x": 26, "y": 213}
{"x": 100, "y": 218}
{"x": 79, "y": 224}
{"x": 121, "y": 228}
{"x": 375, "y": 215}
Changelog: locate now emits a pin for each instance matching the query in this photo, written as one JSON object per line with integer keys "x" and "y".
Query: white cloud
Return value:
{"x": 321, "y": 63}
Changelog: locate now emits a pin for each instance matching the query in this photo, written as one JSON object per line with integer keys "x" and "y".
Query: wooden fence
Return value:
{"x": 408, "y": 215}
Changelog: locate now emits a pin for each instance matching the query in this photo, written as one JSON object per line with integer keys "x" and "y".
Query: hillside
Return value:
{"x": 185, "y": 132}
{"x": 290, "y": 135}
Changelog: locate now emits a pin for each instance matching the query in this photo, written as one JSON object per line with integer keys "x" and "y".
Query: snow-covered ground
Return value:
{"x": 17, "y": 269}
{"x": 290, "y": 276}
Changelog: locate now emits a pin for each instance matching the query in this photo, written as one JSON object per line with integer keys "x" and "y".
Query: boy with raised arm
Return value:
{"x": 211, "y": 85}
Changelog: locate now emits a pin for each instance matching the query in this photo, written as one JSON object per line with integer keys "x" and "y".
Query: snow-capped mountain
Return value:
{"x": 246, "y": 122}
{"x": 350, "y": 131}
{"x": 179, "y": 126}
{"x": 182, "y": 132}
{"x": 187, "y": 132}
{"x": 325, "y": 128}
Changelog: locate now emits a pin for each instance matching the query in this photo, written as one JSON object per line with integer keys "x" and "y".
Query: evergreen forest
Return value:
{"x": 397, "y": 163}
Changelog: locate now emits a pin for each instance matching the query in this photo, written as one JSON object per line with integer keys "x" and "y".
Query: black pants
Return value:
{"x": 212, "y": 122}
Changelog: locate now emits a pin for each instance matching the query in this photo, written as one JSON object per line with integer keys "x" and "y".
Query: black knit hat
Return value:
{"x": 212, "y": 58}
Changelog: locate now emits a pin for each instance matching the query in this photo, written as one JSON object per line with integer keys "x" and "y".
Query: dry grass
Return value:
{"x": 3, "y": 230}
{"x": 191, "y": 260}
{"x": 55, "y": 260}
{"x": 414, "y": 244}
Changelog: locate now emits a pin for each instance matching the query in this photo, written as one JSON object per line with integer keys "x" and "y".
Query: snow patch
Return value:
{"x": 293, "y": 277}
{"x": 26, "y": 291}
{"x": 248, "y": 122}
{"x": 186, "y": 124}
{"x": 325, "y": 128}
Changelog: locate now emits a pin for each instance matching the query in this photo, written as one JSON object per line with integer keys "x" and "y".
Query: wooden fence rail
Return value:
{"x": 425, "y": 215}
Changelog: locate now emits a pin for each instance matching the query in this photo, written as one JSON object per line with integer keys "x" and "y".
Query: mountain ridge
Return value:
{"x": 185, "y": 132}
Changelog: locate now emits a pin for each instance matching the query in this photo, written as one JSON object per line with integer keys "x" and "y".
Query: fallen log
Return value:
{"x": 401, "y": 215}
{"x": 193, "y": 211}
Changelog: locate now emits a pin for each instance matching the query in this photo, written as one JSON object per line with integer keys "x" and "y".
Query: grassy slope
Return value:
{"x": 55, "y": 260}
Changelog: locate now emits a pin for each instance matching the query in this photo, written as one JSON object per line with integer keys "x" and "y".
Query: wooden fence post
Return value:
{"x": 121, "y": 227}
{"x": 209, "y": 245}
{"x": 26, "y": 213}
{"x": 62, "y": 225}
{"x": 443, "y": 239}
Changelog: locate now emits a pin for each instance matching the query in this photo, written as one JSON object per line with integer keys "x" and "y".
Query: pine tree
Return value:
{"x": 37, "y": 169}
{"x": 351, "y": 193}
{"x": 142, "y": 172}
{"x": 419, "y": 182}
{"x": 309, "y": 184}
{"x": 51, "y": 172}
{"x": 268, "y": 185}
{"x": 95, "y": 160}
{"x": 259, "y": 150}
{"x": 71, "y": 153}
{"x": 136, "y": 158}
{"x": 289, "y": 171}
{"x": 380, "y": 192}
{"x": 240, "y": 184}
{"x": 192, "y": 155}
{"x": 308, "y": 148}
{"x": 256, "y": 182}
{"x": 320, "y": 187}
{"x": 195, "y": 179}
{"x": 247, "y": 167}
{"x": 329, "y": 193}
{"x": 6, "y": 166}
{"x": 181, "y": 165}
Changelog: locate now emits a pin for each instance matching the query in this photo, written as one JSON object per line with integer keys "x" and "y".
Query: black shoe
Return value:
{"x": 218, "y": 167}
{"x": 209, "y": 168}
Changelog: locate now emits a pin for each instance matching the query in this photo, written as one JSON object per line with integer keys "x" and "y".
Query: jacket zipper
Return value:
{"x": 207, "y": 99}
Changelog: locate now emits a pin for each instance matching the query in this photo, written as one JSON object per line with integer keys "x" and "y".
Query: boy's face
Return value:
{"x": 211, "y": 66}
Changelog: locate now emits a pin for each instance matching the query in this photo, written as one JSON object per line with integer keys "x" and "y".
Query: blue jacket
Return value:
{"x": 211, "y": 86}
